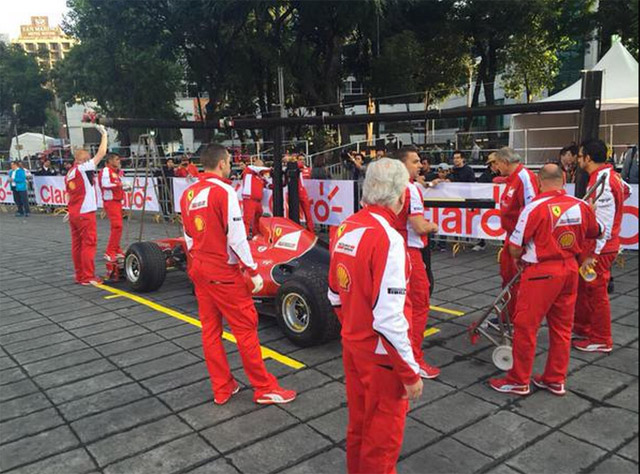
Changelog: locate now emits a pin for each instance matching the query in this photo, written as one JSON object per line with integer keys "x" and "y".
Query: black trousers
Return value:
{"x": 21, "y": 198}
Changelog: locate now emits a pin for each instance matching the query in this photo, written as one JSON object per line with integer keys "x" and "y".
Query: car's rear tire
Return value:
{"x": 145, "y": 266}
{"x": 303, "y": 310}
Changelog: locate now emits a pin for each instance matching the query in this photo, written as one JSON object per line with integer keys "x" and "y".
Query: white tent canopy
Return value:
{"x": 620, "y": 80}
{"x": 30, "y": 144}
{"x": 540, "y": 136}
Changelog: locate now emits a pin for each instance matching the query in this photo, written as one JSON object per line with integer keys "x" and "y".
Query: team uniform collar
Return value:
{"x": 601, "y": 168}
{"x": 206, "y": 176}
{"x": 557, "y": 192}
{"x": 384, "y": 212}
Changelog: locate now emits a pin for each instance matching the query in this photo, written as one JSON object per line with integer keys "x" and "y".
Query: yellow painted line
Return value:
{"x": 447, "y": 311}
{"x": 110, "y": 297}
{"x": 431, "y": 332}
{"x": 266, "y": 352}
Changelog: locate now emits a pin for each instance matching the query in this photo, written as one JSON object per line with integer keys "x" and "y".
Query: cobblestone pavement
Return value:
{"x": 91, "y": 382}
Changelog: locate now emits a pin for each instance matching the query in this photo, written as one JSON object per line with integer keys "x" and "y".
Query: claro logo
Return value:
{"x": 50, "y": 194}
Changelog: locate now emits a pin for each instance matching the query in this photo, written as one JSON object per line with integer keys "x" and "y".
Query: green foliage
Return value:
{"x": 619, "y": 17}
{"x": 22, "y": 83}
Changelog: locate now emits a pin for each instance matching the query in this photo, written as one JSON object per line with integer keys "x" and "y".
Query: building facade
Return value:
{"x": 48, "y": 44}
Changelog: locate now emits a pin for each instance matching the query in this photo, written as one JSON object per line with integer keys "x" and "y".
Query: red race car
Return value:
{"x": 293, "y": 262}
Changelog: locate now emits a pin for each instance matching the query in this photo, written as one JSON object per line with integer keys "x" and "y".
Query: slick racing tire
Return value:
{"x": 145, "y": 266}
{"x": 303, "y": 310}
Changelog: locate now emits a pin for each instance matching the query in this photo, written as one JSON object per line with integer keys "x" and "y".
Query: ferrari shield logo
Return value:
{"x": 190, "y": 195}
{"x": 557, "y": 211}
{"x": 278, "y": 231}
{"x": 341, "y": 230}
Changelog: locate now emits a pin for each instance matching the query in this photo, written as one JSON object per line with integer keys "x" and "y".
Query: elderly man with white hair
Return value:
{"x": 521, "y": 188}
{"x": 368, "y": 287}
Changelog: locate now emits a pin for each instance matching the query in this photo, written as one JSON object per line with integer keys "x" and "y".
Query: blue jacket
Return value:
{"x": 19, "y": 179}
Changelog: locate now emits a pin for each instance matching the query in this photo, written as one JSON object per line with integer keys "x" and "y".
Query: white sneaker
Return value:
{"x": 479, "y": 248}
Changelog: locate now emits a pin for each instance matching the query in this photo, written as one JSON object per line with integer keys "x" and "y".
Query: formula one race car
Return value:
{"x": 292, "y": 261}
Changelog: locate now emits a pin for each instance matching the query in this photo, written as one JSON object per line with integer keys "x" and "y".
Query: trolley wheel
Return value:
{"x": 503, "y": 357}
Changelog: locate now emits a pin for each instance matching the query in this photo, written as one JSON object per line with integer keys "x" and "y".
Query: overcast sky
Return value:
{"x": 19, "y": 12}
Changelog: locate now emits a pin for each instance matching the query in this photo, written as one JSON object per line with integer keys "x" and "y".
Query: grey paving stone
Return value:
{"x": 141, "y": 438}
{"x": 101, "y": 401}
{"x": 188, "y": 395}
{"x": 89, "y": 320}
{"x": 88, "y": 386}
{"x": 332, "y": 461}
{"x": 117, "y": 419}
{"x": 37, "y": 343}
{"x": 101, "y": 327}
{"x": 29, "y": 425}
{"x": 556, "y": 453}
{"x": 168, "y": 458}
{"x": 464, "y": 373}
{"x": 623, "y": 335}
{"x": 625, "y": 360}
{"x": 169, "y": 363}
{"x": 630, "y": 451}
{"x": 605, "y": 427}
{"x": 303, "y": 380}
{"x": 11, "y": 375}
{"x": 16, "y": 337}
{"x": 188, "y": 342}
{"x": 502, "y": 469}
{"x": 17, "y": 389}
{"x": 71, "y": 374}
{"x": 445, "y": 415}
{"x": 144, "y": 354}
{"x": 597, "y": 382}
{"x": 129, "y": 344}
{"x": 71, "y": 462}
{"x": 446, "y": 456}
{"x": 247, "y": 428}
{"x": 501, "y": 433}
{"x": 50, "y": 351}
{"x": 432, "y": 390}
{"x": 627, "y": 398}
{"x": 6, "y": 363}
{"x": 312, "y": 356}
{"x": 332, "y": 425}
{"x": 34, "y": 448}
{"x": 333, "y": 368}
{"x": 219, "y": 466}
{"x": 23, "y": 406}
{"x": 176, "y": 378}
{"x": 115, "y": 335}
{"x": 629, "y": 320}
{"x": 550, "y": 410}
{"x": 416, "y": 436}
{"x": 61, "y": 362}
{"x": 615, "y": 465}
{"x": 209, "y": 414}
{"x": 318, "y": 401}
{"x": 18, "y": 323}
{"x": 279, "y": 451}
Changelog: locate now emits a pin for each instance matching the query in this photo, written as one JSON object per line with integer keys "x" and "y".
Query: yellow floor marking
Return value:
{"x": 431, "y": 332}
{"x": 266, "y": 352}
{"x": 110, "y": 297}
{"x": 447, "y": 311}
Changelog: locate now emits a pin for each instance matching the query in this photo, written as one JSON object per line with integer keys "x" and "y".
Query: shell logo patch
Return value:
{"x": 567, "y": 240}
{"x": 341, "y": 230}
{"x": 557, "y": 211}
{"x": 198, "y": 222}
{"x": 190, "y": 195}
{"x": 344, "y": 279}
{"x": 72, "y": 185}
{"x": 278, "y": 231}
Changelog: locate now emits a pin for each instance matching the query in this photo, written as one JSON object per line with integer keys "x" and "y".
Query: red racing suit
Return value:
{"x": 112, "y": 196}
{"x": 252, "y": 191}
{"x": 418, "y": 291}
{"x": 367, "y": 286}
{"x": 305, "y": 202}
{"x": 217, "y": 243}
{"x": 593, "y": 312}
{"x": 82, "y": 219}
{"x": 521, "y": 188}
{"x": 190, "y": 170}
{"x": 553, "y": 230}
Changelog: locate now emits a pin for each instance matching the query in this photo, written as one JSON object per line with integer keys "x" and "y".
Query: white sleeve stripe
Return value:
{"x": 529, "y": 190}
{"x": 236, "y": 232}
{"x": 105, "y": 179}
{"x": 416, "y": 205}
{"x": 334, "y": 298}
{"x": 389, "y": 319}
{"x": 606, "y": 212}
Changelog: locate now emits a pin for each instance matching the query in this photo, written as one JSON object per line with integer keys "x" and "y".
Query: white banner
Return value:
{"x": 6, "y": 195}
{"x": 331, "y": 201}
{"x": 485, "y": 223}
{"x": 50, "y": 191}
